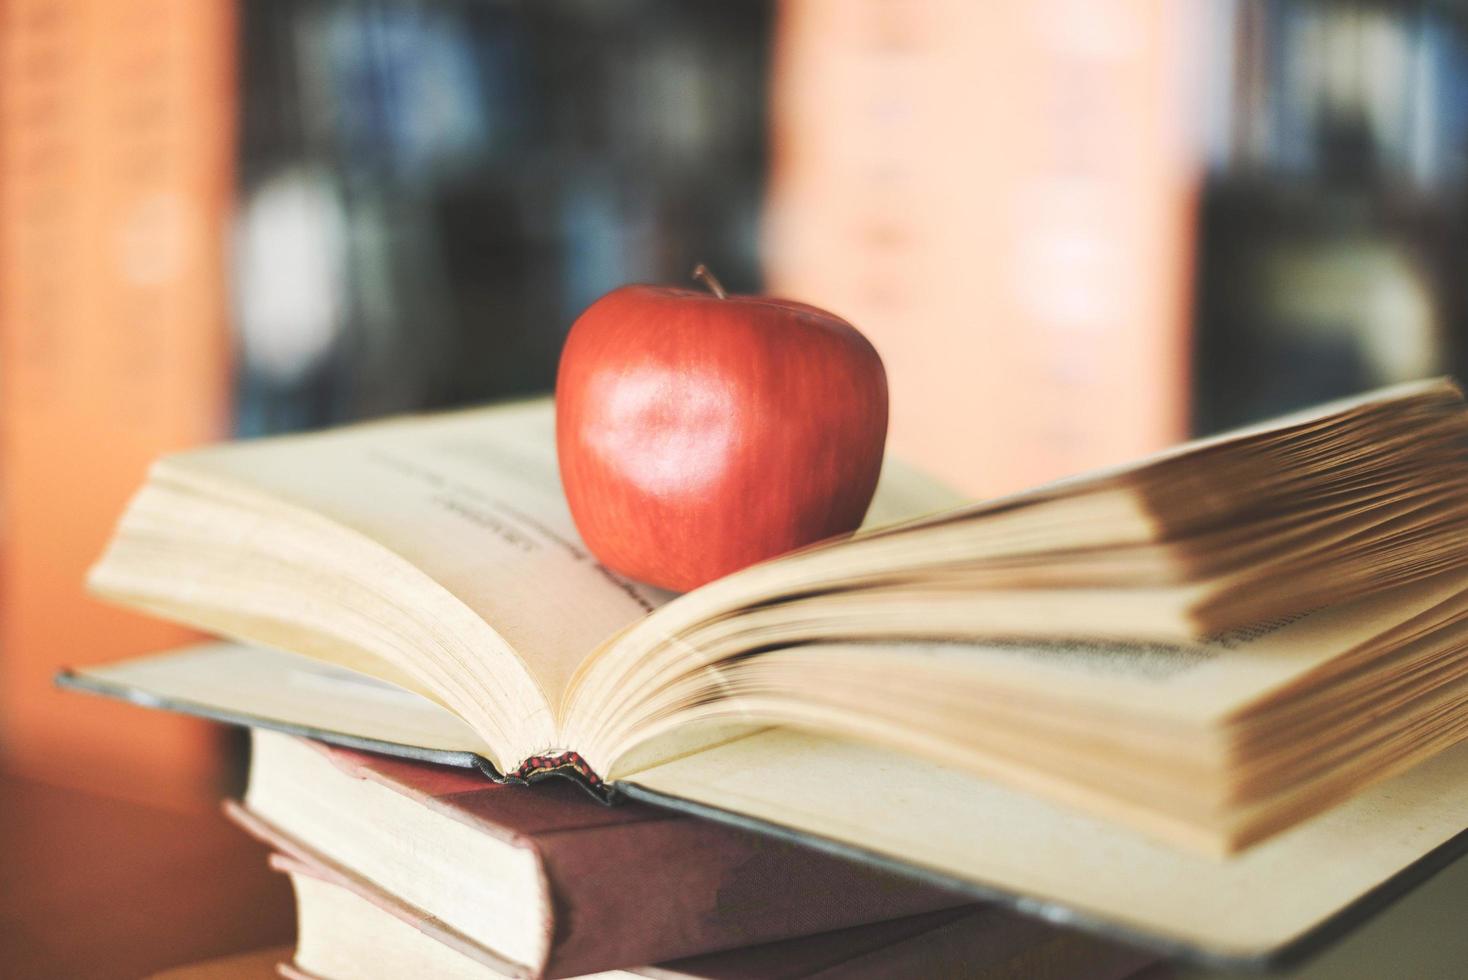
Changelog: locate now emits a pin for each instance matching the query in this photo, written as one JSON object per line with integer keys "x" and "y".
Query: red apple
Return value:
{"x": 700, "y": 432}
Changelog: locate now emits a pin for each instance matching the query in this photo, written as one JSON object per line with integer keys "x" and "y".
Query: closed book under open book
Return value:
{"x": 1087, "y": 696}
{"x": 549, "y": 882}
{"x": 349, "y": 928}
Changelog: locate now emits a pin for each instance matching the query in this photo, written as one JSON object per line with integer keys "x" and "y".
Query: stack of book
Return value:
{"x": 403, "y": 868}
{"x": 1214, "y": 701}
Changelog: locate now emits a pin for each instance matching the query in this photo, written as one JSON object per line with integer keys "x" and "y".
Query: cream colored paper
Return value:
{"x": 473, "y": 500}
{"x": 941, "y": 819}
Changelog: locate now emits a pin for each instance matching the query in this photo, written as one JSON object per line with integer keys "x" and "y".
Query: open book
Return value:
{"x": 1187, "y": 655}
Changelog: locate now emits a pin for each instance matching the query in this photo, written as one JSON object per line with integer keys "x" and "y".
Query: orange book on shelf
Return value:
{"x": 117, "y": 129}
{"x": 1001, "y": 196}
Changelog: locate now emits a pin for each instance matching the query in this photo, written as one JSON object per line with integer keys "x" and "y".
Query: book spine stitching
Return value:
{"x": 568, "y": 764}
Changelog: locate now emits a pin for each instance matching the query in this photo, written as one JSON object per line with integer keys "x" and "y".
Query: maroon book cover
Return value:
{"x": 634, "y": 884}
{"x": 979, "y": 941}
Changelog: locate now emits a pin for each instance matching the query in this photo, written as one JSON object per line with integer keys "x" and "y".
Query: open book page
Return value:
{"x": 473, "y": 500}
{"x": 1194, "y": 684}
{"x": 1152, "y": 696}
{"x": 904, "y": 493}
{"x": 872, "y": 802}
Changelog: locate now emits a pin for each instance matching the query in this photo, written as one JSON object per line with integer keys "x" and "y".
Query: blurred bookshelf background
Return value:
{"x": 1077, "y": 231}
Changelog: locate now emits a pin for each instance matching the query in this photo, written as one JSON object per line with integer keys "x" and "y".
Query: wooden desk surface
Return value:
{"x": 93, "y": 887}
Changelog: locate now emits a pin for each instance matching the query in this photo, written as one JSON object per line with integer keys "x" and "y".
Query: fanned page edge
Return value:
{"x": 107, "y": 579}
{"x": 1095, "y": 478}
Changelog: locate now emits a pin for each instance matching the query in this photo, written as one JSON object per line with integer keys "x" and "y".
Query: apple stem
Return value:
{"x": 702, "y": 274}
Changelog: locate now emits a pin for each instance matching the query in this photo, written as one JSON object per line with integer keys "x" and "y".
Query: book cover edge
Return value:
{"x": 548, "y": 767}
{"x": 1313, "y": 941}
{"x": 1290, "y": 953}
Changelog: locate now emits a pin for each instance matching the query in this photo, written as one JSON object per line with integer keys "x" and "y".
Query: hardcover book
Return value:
{"x": 549, "y": 883}
{"x": 349, "y": 928}
{"x": 1083, "y": 697}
